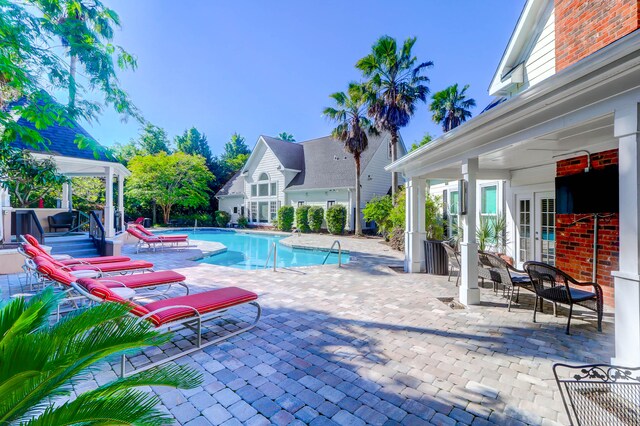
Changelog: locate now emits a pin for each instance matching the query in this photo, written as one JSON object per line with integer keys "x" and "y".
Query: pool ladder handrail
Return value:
{"x": 273, "y": 250}
{"x": 331, "y": 251}
{"x": 195, "y": 226}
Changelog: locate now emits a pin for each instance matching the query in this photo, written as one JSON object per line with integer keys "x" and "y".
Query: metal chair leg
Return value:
{"x": 569, "y": 320}
{"x": 535, "y": 309}
{"x": 510, "y": 295}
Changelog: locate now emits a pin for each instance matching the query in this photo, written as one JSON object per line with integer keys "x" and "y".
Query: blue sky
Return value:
{"x": 262, "y": 67}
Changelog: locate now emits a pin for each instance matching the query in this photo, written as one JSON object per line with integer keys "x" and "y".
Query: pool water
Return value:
{"x": 250, "y": 251}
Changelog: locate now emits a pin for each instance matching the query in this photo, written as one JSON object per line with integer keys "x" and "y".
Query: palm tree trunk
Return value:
{"x": 394, "y": 157}
{"x": 357, "y": 220}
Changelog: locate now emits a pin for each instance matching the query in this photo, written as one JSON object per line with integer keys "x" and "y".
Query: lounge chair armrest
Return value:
{"x": 512, "y": 268}
{"x": 166, "y": 308}
{"x": 91, "y": 267}
{"x": 586, "y": 284}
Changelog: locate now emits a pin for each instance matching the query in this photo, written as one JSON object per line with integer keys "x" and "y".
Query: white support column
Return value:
{"x": 415, "y": 233}
{"x": 469, "y": 292}
{"x": 108, "y": 208}
{"x": 627, "y": 278}
{"x": 121, "y": 200}
{"x": 65, "y": 197}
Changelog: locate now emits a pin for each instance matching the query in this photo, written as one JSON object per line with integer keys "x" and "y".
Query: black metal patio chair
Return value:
{"x": 502, "y": 273}
{"x": 554, "y": 285}
{"x": 454, "y": 261}
{"x": 599, "y": 394}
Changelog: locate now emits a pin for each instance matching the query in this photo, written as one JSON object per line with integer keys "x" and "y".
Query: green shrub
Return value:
{"x": 379, "y": 211}
{"x": 243, "y": 222}
{"x": 302, "y": 218}
{"x": 316, "y": 216}
{"x": 336, "y": 219}
{"x": 222, "y": 218}
{"x": 285, "y": 218}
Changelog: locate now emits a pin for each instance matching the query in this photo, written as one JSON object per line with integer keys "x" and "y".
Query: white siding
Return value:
{"x": 541, "y": 62}
{"x": 228, "y": 203}
{"x": 268, "y": 163}
{"x": 380, "y": 182}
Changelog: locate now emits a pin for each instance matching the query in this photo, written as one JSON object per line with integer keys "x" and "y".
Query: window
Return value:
{"x": 273, "y": 212}
{"x": 452, "y": 208}
{"x": 263, "y": 176}
{"x": 254, "y": 190}
{"x": 524, "y": 249}
{"x": 263, "y": 211}
{"x": 263, "y": 189}
{"x": 235, "y": 210}
{"x": 274, "y": 188}
{"x": 330, "y": 203}
{"x": 254, "y": 212}
{"x": 489, "y": 201}
{"x": 300, "y": 203}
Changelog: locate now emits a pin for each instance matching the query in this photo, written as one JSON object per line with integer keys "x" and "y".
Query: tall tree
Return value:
{"x": 394, "y": 88}
{"x": 153, "y": 140}
{"x": 450, "y": 107}
{"x": 286, "y": 137}
{"x": 425, "y": 140}
{"x": 170, "y": 180}
{"x": 193, "y": 142}
{"x": 235, "y": 154}
{"x": 353, "y": 126}
{"x": 31, "y": 62}
{"x": 234, "y": 147}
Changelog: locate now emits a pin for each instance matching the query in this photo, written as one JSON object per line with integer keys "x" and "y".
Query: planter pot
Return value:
{"x": 435, "y": 257}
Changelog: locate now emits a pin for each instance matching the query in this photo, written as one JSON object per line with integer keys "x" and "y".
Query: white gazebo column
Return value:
{"x": 415, "y": 233}
{"x": 627, "y": 278}
{"x": 108, "y": 208}
{"x": 65, "y": 196}
{"x": 121, "y": 200}
{"x": 469, "y": 292}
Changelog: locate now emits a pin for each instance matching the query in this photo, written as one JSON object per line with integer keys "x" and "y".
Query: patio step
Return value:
{"x": 77, "y": 246}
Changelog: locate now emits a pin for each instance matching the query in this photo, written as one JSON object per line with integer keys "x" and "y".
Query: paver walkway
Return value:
{"x": 365, "y": 344}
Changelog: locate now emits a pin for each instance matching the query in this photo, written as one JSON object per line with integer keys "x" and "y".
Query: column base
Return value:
{"x": 414, "y": 252}
{"x": 469, "y": 296}
{"x": 627, "y": 319}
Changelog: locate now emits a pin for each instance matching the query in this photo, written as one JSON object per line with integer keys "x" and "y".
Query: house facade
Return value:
{"x": 567, "y": 108}
{"x": 317, "y": 172}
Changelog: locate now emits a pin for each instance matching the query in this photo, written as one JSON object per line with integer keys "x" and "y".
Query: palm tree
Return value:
{"x": 352, "y": 129}
{"x": 286, "y": 137}
{"x": 40, "y": 363}
{"x": 450, "y": 107}
{"x": 395, "y": 87}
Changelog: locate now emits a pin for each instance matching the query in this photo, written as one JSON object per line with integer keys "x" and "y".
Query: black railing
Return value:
{"x": 26, "y": 222}
{"x": 97, "y": 233}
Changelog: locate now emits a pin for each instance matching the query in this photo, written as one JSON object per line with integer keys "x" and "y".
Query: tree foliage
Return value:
{"x": 31, "y": 61}
{"x": 378, "y": 211}
{"x": 88, "y": 193}
{"x": 26, "y": 178}
{"x": 352, "y": 130}
{"x": 193, "y": 142}
{"x": 222, "y": 218}
{"x": 170, "y": 180}
{"x": 395, "y": 87}
{"x": 316, "y": 217}
{"x": 336, "y": 219}
{"x": 450, "y": 107}
{"x": 288, "y": 137}
{"x": 302, "y": 218}
{"x": 235, "y": 155}
{"x": 285, "y": 218}
{"x": 40, "y": 363}
{"x": 425, "y": 140}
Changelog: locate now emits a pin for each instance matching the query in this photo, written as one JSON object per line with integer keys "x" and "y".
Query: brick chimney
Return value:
{"x": 585, "y": 26}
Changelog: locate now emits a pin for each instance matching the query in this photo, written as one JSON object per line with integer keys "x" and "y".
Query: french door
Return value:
{"x": 536, "y": 223}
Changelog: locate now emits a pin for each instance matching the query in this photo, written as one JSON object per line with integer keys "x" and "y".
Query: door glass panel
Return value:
{"x": 548, "y": 230}
{"x": 453, "y": 213}
{"x": 263, "y": 212}
{"x": 489, "y": 200}
{"x": 524, "y": 225}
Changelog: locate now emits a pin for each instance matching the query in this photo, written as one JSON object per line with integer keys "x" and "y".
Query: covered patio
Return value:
{"x": 591, "y": 106}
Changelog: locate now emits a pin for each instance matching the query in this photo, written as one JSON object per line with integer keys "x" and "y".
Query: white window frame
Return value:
{"x": 330, "y": 203}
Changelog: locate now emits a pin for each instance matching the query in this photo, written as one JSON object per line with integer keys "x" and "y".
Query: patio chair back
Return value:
{"x": 599, "y": 394}
{"x": 32, "y": 252}
{"x": 139, "y": 235}
{"x": 451, "y": 254}
{"x": 51, "y": 272}
{"x": 139, "y": 221}
{"x": 98, "y": 292}
{"x": 550, "y": 282}
{"x": 144, "y": 230}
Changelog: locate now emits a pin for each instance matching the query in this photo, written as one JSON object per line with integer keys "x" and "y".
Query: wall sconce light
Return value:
{"x": 462, "y": 196}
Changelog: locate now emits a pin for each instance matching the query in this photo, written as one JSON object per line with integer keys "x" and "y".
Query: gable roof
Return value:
{"x": 510, "y": 69}
{"x": 60, "y": 140}
{"x": 290, "y": 154}
{"x": 327, "y": 165}
{"x": 234, "y": 186}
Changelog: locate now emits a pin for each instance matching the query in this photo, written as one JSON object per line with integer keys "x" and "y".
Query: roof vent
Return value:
{"x": 335, "y": 157}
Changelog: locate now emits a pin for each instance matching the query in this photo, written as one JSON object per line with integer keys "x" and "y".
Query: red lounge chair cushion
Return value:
{"x": 114, "y": 267}
{"x": 208, "y": 301}
{"x": 51, "y": 271}
{"x": 143, "y": 280}
{"x": 101, "y": 291}
{"x": 95, "y": 260}
{"x": 30, "y": 250}
{"x": 173, "y": 238}
{"x": 32, "y": 240}
{"x": 157, "y": 238}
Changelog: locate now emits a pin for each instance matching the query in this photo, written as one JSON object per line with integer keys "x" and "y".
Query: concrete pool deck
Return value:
{"x": 365, "y": 344}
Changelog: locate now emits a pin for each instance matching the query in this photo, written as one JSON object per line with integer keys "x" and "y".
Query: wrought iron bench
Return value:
{"x": 599, "y": 394}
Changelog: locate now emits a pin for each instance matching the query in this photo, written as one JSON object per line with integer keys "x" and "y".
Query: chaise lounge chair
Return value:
{"x": 190, "y": 311}
{"x": 67, "y": 260}
{"x": 152, "y": 242}
{"x": 148, "y": 233}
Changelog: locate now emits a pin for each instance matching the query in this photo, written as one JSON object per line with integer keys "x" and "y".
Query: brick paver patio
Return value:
{"x": 365, "y": 344}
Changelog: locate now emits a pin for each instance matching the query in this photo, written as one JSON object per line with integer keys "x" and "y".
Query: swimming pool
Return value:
{"x": 250, "y": 250}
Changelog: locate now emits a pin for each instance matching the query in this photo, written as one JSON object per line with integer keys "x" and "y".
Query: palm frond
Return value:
{"x": 174, "y": 375}
{"x": 19, "y": 317}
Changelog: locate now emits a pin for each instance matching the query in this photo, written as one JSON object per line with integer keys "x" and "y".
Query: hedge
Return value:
{"x": 302, "y": 218}
{"x": 222, "y": 218}
{"x": 316, "y": 216}
{"x": 336, "y": 219}
{"x": 285, "y": 218}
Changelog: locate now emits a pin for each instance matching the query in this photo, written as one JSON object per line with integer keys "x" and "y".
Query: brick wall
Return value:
{"x": 585, "y": 26}
{"x": 574, "y": 243}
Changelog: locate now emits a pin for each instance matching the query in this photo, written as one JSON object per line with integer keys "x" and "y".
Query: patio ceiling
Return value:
{"x": 593, "y": 136}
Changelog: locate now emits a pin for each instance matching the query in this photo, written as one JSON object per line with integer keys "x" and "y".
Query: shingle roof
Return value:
{"x": 327, "y": 165}
{"x": 60, "y": 140}
{"x": 234, "y": 186}
{"x": 290, "y": 154}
